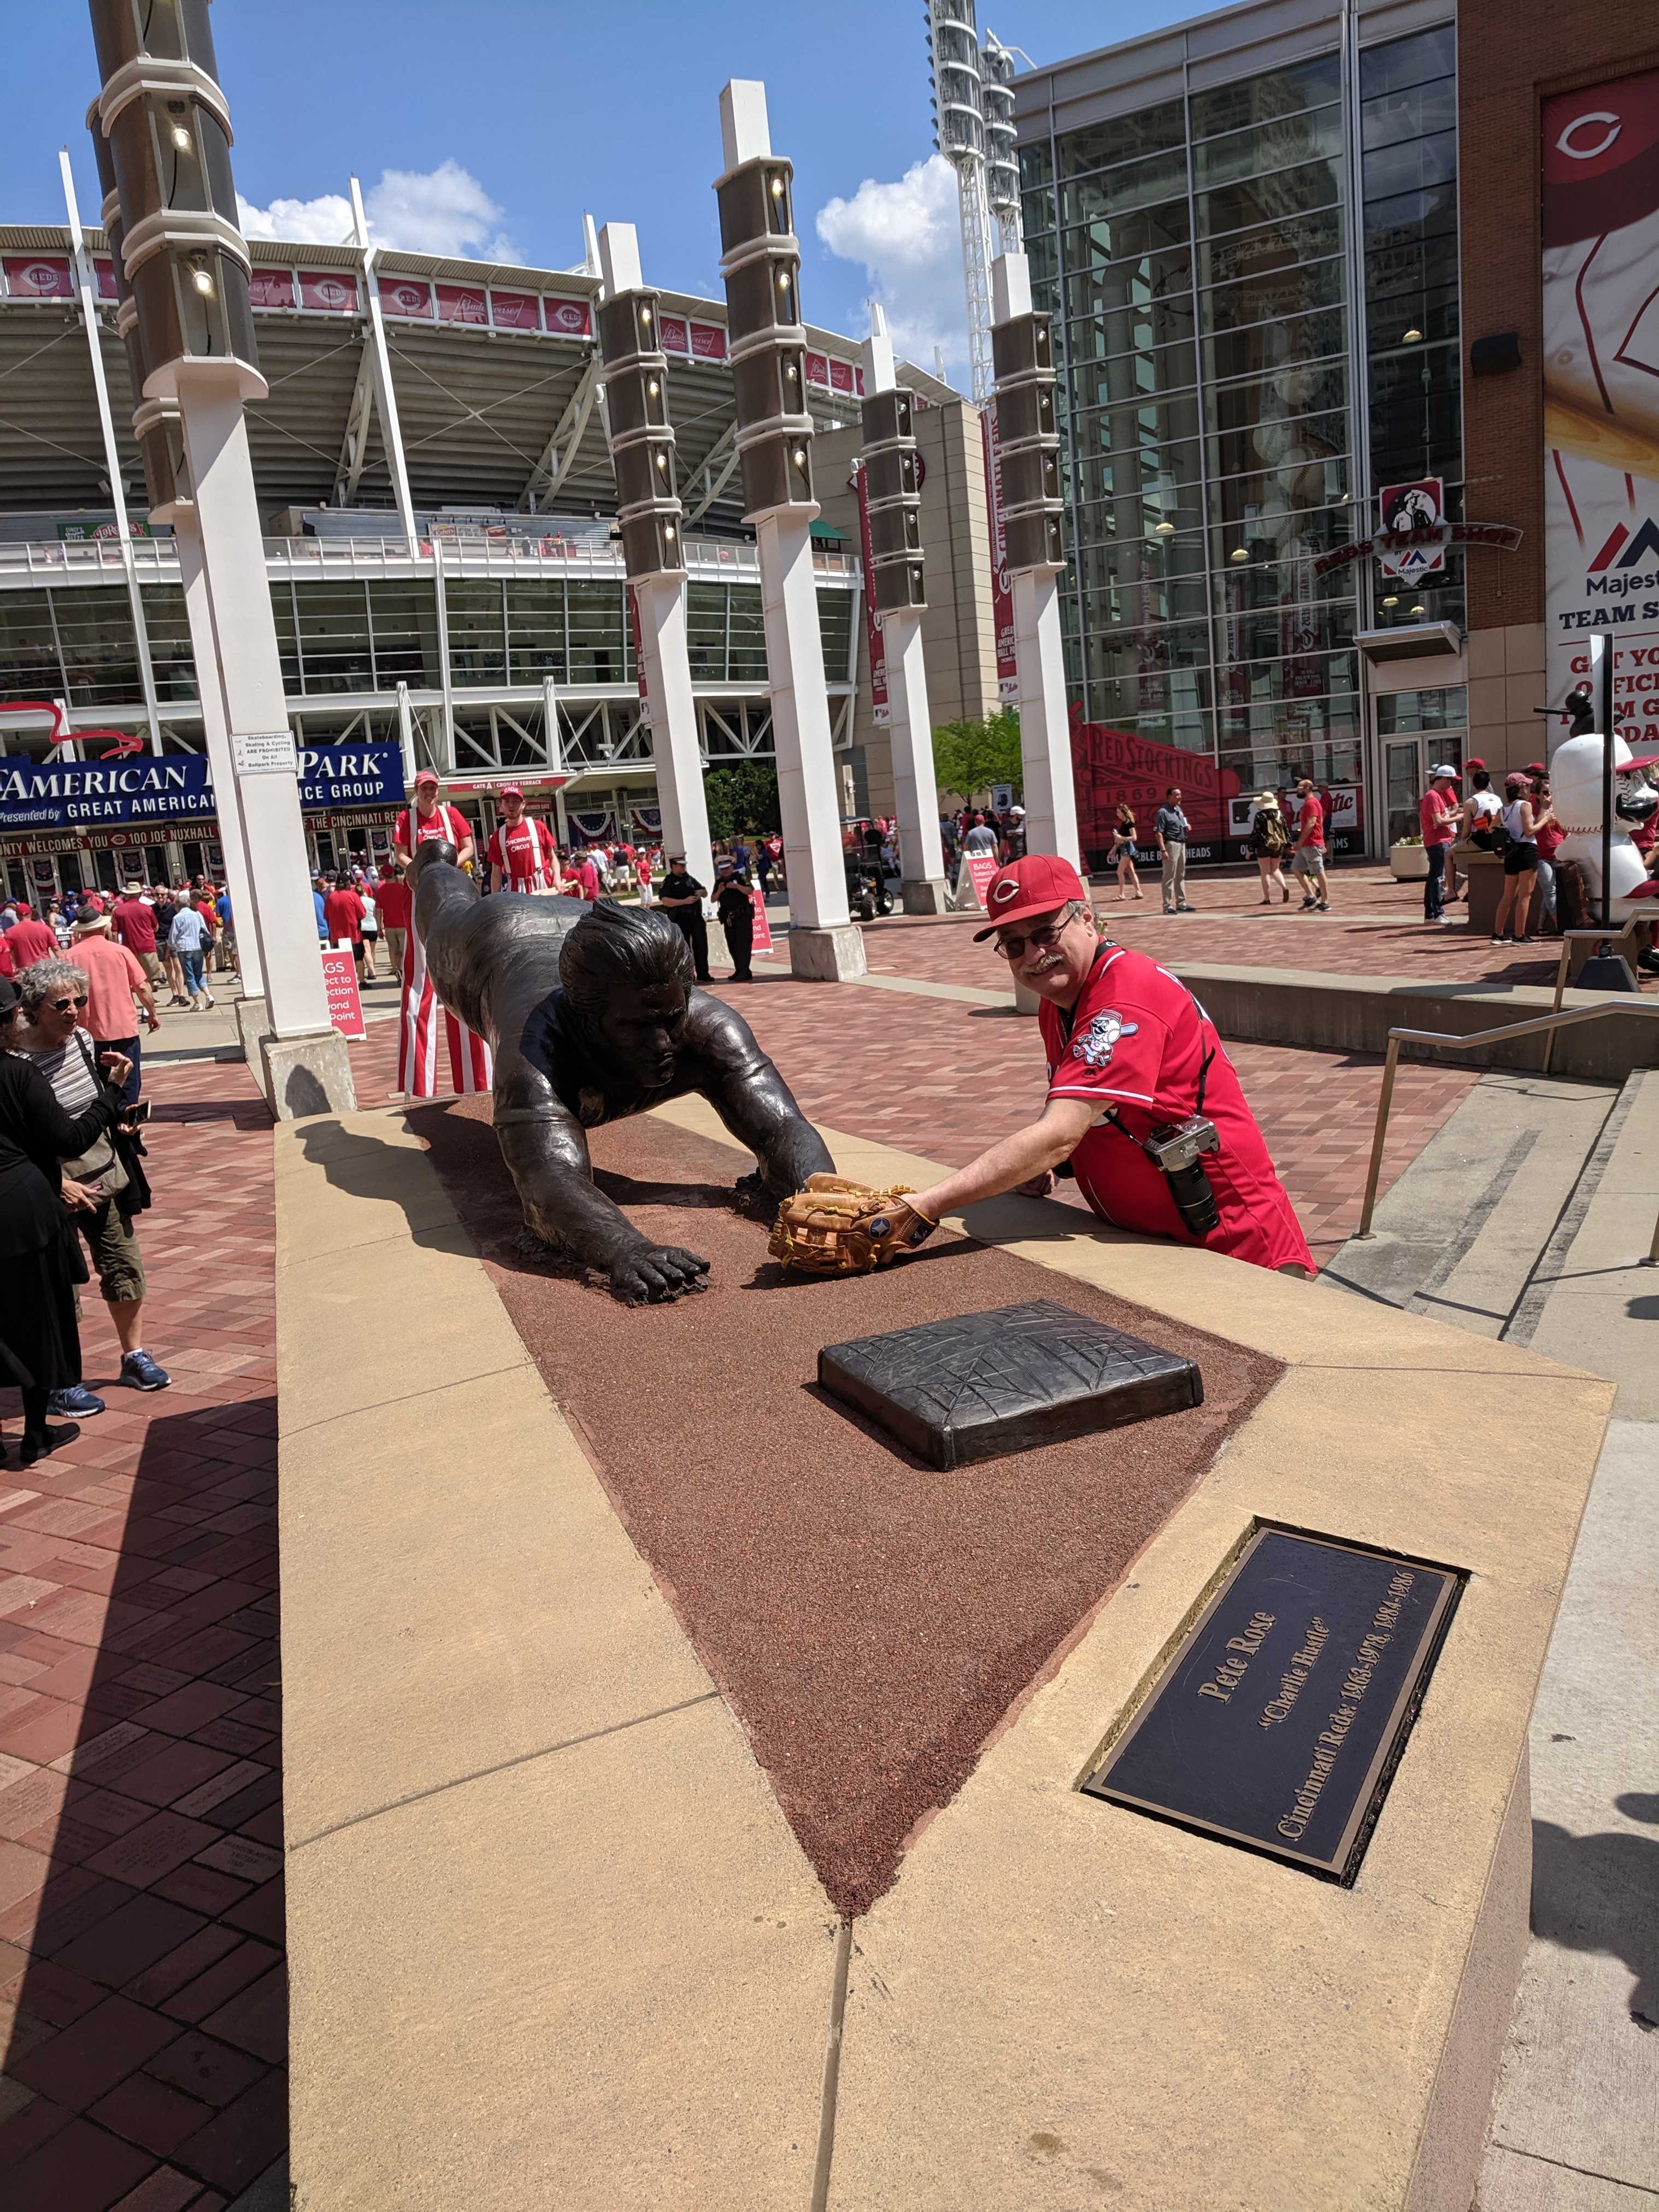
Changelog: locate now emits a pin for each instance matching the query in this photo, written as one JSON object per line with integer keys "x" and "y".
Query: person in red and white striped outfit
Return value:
{"x": 522, "y": 850}
{"x": 420, "y": 1014}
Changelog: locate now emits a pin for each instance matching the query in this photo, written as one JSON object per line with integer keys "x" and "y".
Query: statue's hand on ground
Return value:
{"x": 657, "y": 1274}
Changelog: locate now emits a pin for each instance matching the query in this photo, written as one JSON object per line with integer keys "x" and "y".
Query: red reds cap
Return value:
{"x": 512, "y": 791}
{"x": 427, "y": 775}
{"x": 1476, "y": 763}
{"x": 1037, "y": 884}
{"x": 1643, "y": 760}
{"x": 1536, "y": 767}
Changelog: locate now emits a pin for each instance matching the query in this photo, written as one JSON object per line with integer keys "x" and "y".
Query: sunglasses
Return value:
{"x": 1037, "y": 940}
{"x": 63, "y": 1005}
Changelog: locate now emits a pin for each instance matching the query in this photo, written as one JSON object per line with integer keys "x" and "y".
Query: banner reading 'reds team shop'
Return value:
{"x": 1601, "y": 233}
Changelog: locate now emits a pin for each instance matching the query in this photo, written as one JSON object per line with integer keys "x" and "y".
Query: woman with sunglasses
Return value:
{"x": 40, "y": 1260}
{"x": 1130, "y": 1051}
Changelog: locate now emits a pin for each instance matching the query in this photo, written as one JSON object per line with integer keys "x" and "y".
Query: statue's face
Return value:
{"x": 643, "y": 1029}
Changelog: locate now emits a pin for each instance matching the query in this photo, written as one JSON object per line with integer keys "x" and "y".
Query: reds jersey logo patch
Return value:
{"x": 1096, "y": 1046}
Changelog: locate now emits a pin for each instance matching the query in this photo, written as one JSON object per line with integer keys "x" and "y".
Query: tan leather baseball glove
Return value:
{"x": 834, "y": 1227}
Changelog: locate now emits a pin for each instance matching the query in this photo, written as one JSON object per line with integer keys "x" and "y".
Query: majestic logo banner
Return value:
{"x": 1601, "y": 233}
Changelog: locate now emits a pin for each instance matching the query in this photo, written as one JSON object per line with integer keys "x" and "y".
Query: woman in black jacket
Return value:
{"x": 41, "y": 1258}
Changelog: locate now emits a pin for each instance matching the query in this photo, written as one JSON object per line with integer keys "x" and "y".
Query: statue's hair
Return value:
{"x": 627, "y": 945}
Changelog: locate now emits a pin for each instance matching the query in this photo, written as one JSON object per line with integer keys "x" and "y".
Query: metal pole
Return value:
{"x": 1375, "y": 1169}
{"x": 391, "y": 436}
{"x": 1653, "y": 1248}
{"x": 1608, "y": 736}
{"x": 1560, "y": 991}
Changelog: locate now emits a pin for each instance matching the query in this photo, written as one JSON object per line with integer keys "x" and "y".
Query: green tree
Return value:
{"x": 970, "y": 756}
{"x": 742, "y": 798}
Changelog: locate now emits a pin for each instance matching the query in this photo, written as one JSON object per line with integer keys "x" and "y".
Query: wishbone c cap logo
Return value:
{"x": 1006, "y": 891}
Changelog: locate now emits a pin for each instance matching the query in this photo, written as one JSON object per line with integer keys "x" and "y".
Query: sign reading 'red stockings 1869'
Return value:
{"x": 1600, "y": 236}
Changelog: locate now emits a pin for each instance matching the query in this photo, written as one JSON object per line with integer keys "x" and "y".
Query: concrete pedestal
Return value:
{"x": 827, "y": 955}
{"x": 1482, "y": 876}
{"x": 253, "y": 1023}
{"x": 306, "y": 1075}
{"x": 1026, "y": 1000}
{"x": 926, "y": 897}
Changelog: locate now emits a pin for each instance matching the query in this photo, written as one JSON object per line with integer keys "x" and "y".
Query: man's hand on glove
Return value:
{"x": 834, "y": 1227}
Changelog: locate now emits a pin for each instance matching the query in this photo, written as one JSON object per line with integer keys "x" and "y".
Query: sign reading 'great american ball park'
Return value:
{"x": 1601, "y": 246}
{"x": 1279, "y": 1721}
{"x": 161, "y": 787}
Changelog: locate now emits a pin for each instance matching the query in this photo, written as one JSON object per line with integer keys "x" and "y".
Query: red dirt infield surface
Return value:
{"x": 870, "y": 1619}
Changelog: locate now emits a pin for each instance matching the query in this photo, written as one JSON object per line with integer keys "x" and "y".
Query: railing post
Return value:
{"x": 1560, "y": 989}
{"x": 1375, "y": 1169}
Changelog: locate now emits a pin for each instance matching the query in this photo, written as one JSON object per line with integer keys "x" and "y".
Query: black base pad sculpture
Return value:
{"x": 592, "y": 1014}
{"x": 985, "y": 1383}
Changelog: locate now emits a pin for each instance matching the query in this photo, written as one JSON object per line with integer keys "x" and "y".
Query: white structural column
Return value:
{"x": 386, "y": 396}
{"x": 227, "y": 799}
{"x": 671, "y": 708}
{"x": 910, "y": 722}
{"x": 673, "y": 713}
{"x": 825, "y": 943}
{"x": 1045, "y": 728}
{"x": 306, "y": 1065}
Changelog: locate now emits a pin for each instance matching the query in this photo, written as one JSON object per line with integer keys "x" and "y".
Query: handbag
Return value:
{"x": 101, "y": 1167}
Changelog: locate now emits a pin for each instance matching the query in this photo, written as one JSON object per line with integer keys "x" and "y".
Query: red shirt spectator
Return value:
{"x": 1311, "y": 823}
{"x": 31, "y": 941}
{"x": 588, "y": 876}
{"x": 392, "y": 902}
{"x": 1437, "y": 813}
{"x": 523, "y": 851}
{"x": 113, "y": 976}
{"x": 343, "y": 915}
{"x": 135, "y": 924}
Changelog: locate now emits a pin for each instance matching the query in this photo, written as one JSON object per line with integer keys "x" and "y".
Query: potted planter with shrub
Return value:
{"x": 1407, "y": 859}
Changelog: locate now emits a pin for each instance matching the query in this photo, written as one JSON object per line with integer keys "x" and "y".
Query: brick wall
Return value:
{"x": 1511, "y": 54}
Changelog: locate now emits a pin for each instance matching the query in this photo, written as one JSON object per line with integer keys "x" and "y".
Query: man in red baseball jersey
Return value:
{"x": 1130, "y": 1050}
{"x": 522, "y": 850}
{"x": 426, "y": 819}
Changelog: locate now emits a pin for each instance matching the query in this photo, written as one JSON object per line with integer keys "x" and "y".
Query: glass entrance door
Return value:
{"x": 1417, "y": 731}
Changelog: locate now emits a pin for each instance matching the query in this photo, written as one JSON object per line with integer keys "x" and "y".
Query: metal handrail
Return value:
{"x": 1549, "y": 1022}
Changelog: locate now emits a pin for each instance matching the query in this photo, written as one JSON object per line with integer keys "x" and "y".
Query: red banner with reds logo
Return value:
{"x": 409, "y": 296}
{"x": 328, "y": 291}
{"x": 569, "y": 319}
{"x": 1002, "y": 590}
{"x": 874, "y": 638}
{"x": 1109, "y": 766}
{"x": 34, "y": 277}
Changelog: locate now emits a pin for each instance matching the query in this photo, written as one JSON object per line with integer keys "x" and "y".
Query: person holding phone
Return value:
{"x": 104, "y": 1185}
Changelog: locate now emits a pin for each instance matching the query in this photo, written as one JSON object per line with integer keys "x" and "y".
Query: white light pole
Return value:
{"x": 895, "y": 532}
{"x": 761, "y": 267}
{"x": 649, "y": 510}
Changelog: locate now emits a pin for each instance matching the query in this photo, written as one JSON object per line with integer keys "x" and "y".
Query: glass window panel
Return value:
{"x": 1276, "y": 245}
{"x": 477, "y": 640}
{"x": 1417, "y": 265}
{"x": 1114, "y": 566}
{"x": 1143, "y": 596}
{"x": 287, "y": 649}
{"x": 1124, "y": 138}
{"x": 1408, "y": 216}
{"x": 1290, "y": 631}
{"x": 1432, "y": 316}
{"x": 1144, "y": 327}
{"x": 1166, "y": 476}
{"x": 836, "y": 630}
{"x": 1152, "y": 652}
{"x": 1410, "y": 114}
{"x": 597, "y": 631}
{"x": 748, "y": 661}
{"x": 334, "y": 653}
{"x": 705, "y": 632}
{"x": 101, "y": 652}
{"x": 1126, "y": 237}
{"x": 1098, "y": 287}
{"x": 405, "y": 619}
{"x": 1115, "y": 191}
{"x": 1299, "y": 388}
{"x": 1275, "y": 346}
{"x": 1400, "y": 714}
{"x": 1264, "y": 147}
{"x": 172, "y": 661}
{"x": 1043, "y": 253}
{"x": 1159, "y": 422}
{"x": 1264, "y": 99}
{"x": 535, "y": 631}
{"x": 1126, "y": 376}
{"x": 1036, "y": 165}
{"x": 29, "y": 667}
{"x": 1164, "y": 710}
{"x": 1302, "y": 673}
{"x": 1409, "y": 60}
{"x": 1037, "y": 213}
{"x": 1412, "y": 167}
{"x": 1263, "y": 199}
{"x": 1267, "y": 448}
{"x": 1270, "y": 534}
{"x": 1291, "y": 288}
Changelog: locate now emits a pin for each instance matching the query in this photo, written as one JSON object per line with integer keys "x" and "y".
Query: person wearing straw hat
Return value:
{"x": 115, "y": 979}
{"x": 1269, "y": 841}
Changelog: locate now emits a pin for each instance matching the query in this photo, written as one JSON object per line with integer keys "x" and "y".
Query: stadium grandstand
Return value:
{"x": 443, "y": 568}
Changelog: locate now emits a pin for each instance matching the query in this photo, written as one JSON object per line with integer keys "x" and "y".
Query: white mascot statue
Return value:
{"x": 1576, "y": 794}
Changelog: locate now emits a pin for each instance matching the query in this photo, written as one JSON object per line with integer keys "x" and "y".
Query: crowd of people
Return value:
{"x": 1520, "y": 826}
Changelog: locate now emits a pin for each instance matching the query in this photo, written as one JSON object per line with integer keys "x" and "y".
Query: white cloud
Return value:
{"x": 907, "y": 235}
{"x": 444, "y": 210}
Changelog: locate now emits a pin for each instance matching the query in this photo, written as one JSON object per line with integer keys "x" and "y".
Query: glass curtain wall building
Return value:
{"x": 1254, "y": 282}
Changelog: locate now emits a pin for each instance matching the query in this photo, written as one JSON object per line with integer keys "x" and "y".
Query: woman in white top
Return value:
{"x": 370, "y": 925}
{"x": 1520, "y": 826}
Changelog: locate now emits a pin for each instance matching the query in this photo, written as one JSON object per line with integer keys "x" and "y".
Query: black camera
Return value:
{"x": 1176, "y": 1150}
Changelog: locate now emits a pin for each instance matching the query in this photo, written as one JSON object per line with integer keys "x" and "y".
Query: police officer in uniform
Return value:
{"x": 681, "y": 898}
{"x": 736, "y": 910}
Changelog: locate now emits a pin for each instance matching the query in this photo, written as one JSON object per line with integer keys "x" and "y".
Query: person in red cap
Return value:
{"x": 426, "y": 819}
{"x": 1130, "y": 1050}
{"x": 522, "y": 850}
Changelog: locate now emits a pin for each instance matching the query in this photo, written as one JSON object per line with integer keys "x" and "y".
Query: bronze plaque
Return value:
{"x": 1279, "y": 1721}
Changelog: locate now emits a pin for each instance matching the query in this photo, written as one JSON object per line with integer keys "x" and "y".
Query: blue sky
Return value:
{"x": 500, "y": 120}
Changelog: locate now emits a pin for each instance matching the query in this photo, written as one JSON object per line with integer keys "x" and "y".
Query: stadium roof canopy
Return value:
{"x": 493, "y": 369}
